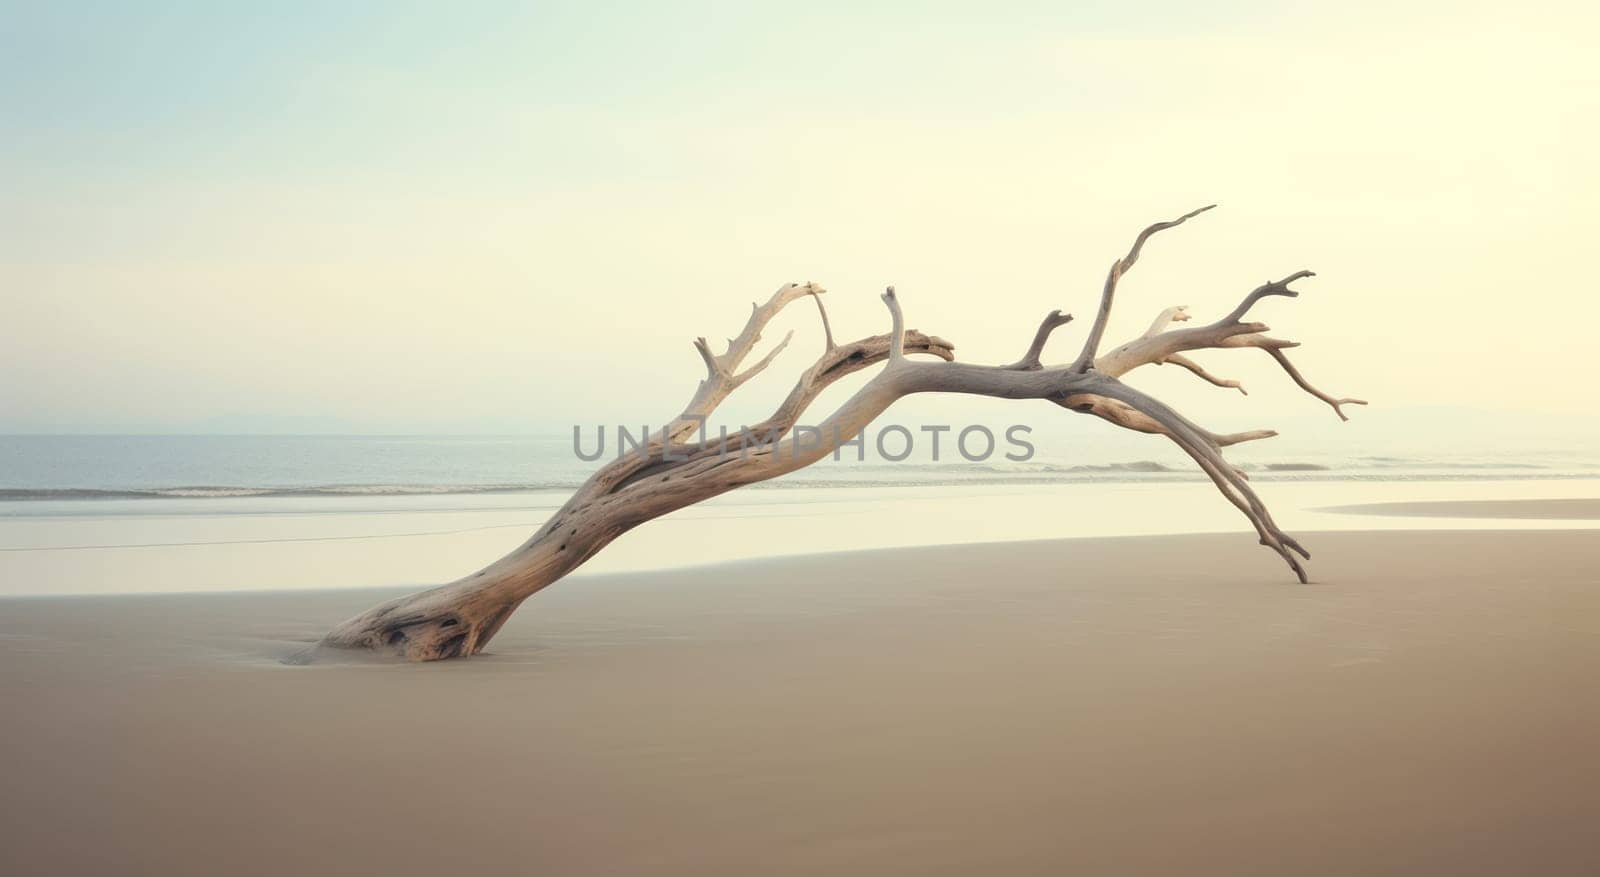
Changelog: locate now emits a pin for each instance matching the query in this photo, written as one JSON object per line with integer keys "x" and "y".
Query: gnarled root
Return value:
{"x": 428, "y": 626}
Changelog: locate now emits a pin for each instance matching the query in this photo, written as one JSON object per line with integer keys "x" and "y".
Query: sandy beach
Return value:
{"x": 887, "y": 433}
{"x": 1139, "y": 705}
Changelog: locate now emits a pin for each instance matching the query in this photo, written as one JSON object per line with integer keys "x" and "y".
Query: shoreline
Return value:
{"x": 1561, "y": 509}
{"x": 271, "y": 544}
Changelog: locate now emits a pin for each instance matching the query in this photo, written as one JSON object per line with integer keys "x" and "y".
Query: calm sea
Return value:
{"x": 34, "y": 468}
{"x": 114, "y": 514}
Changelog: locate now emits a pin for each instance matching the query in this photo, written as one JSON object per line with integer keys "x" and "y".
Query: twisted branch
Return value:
{"x": 1118, "y": 268}
{"x": 1030, "y": 359}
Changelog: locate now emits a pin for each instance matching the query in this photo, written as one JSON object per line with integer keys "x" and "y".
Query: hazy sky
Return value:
{"x": 482, "y": 214}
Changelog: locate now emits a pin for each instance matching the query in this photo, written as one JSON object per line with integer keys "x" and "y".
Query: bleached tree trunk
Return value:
{"x": 674, "y": 470}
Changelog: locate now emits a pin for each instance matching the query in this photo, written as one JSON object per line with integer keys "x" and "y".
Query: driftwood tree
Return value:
{"x": 678, "y": 467}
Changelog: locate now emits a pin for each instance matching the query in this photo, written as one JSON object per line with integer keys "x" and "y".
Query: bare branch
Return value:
{"x": 842, "y": 361}
{"x": 712, "y": 368}
{"x": 1128, "y": 417}
{"x": 740, "y": 346}
{"x": 754, "y": 370}
{"x": 1234, "y": 438}
{"x": 1113, "y": 411}
{"x": 1299, "y": 379}
{"x": 1030, "y": 360}
{"x": 1157, "y": 346}
{"x": 1166, "y": 318}
{"x": 1091, "y": 345}
{"x": 1271, "y": 287}
{"x": 1203, "y": 450}
{"x": 722, "y": 377}
{"x": 827, "y": 330}
{"x": 897, "y": 330}
{"x": 1199, "y": 370}
{"x": 1255, "y": 338}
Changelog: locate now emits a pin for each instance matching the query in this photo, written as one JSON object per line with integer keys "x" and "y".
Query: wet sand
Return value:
{"x": 1142, "y": 705}
{"x": 1570, "y": 509}
{"x": 284, "y": 543}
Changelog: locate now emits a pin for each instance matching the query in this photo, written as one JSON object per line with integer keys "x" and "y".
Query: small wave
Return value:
{"x": 870, "y": 475}
{"x": 1297, "y": 467}
{"x": 208, "y": 492}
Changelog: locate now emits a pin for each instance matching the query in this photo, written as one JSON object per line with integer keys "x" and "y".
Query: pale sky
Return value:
{"x": 479, "y": 215}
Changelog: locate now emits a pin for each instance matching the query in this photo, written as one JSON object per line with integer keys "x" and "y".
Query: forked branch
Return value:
{"x": 1300, "y": 381}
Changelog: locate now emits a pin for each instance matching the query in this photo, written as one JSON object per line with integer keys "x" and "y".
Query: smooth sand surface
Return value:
{"x": 1572, "y": 509}
{"x": 1150, "y": 705}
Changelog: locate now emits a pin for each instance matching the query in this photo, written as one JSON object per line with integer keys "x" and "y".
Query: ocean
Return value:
{"x": 101, "y": 467}
{"x": 115, "y": 514}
